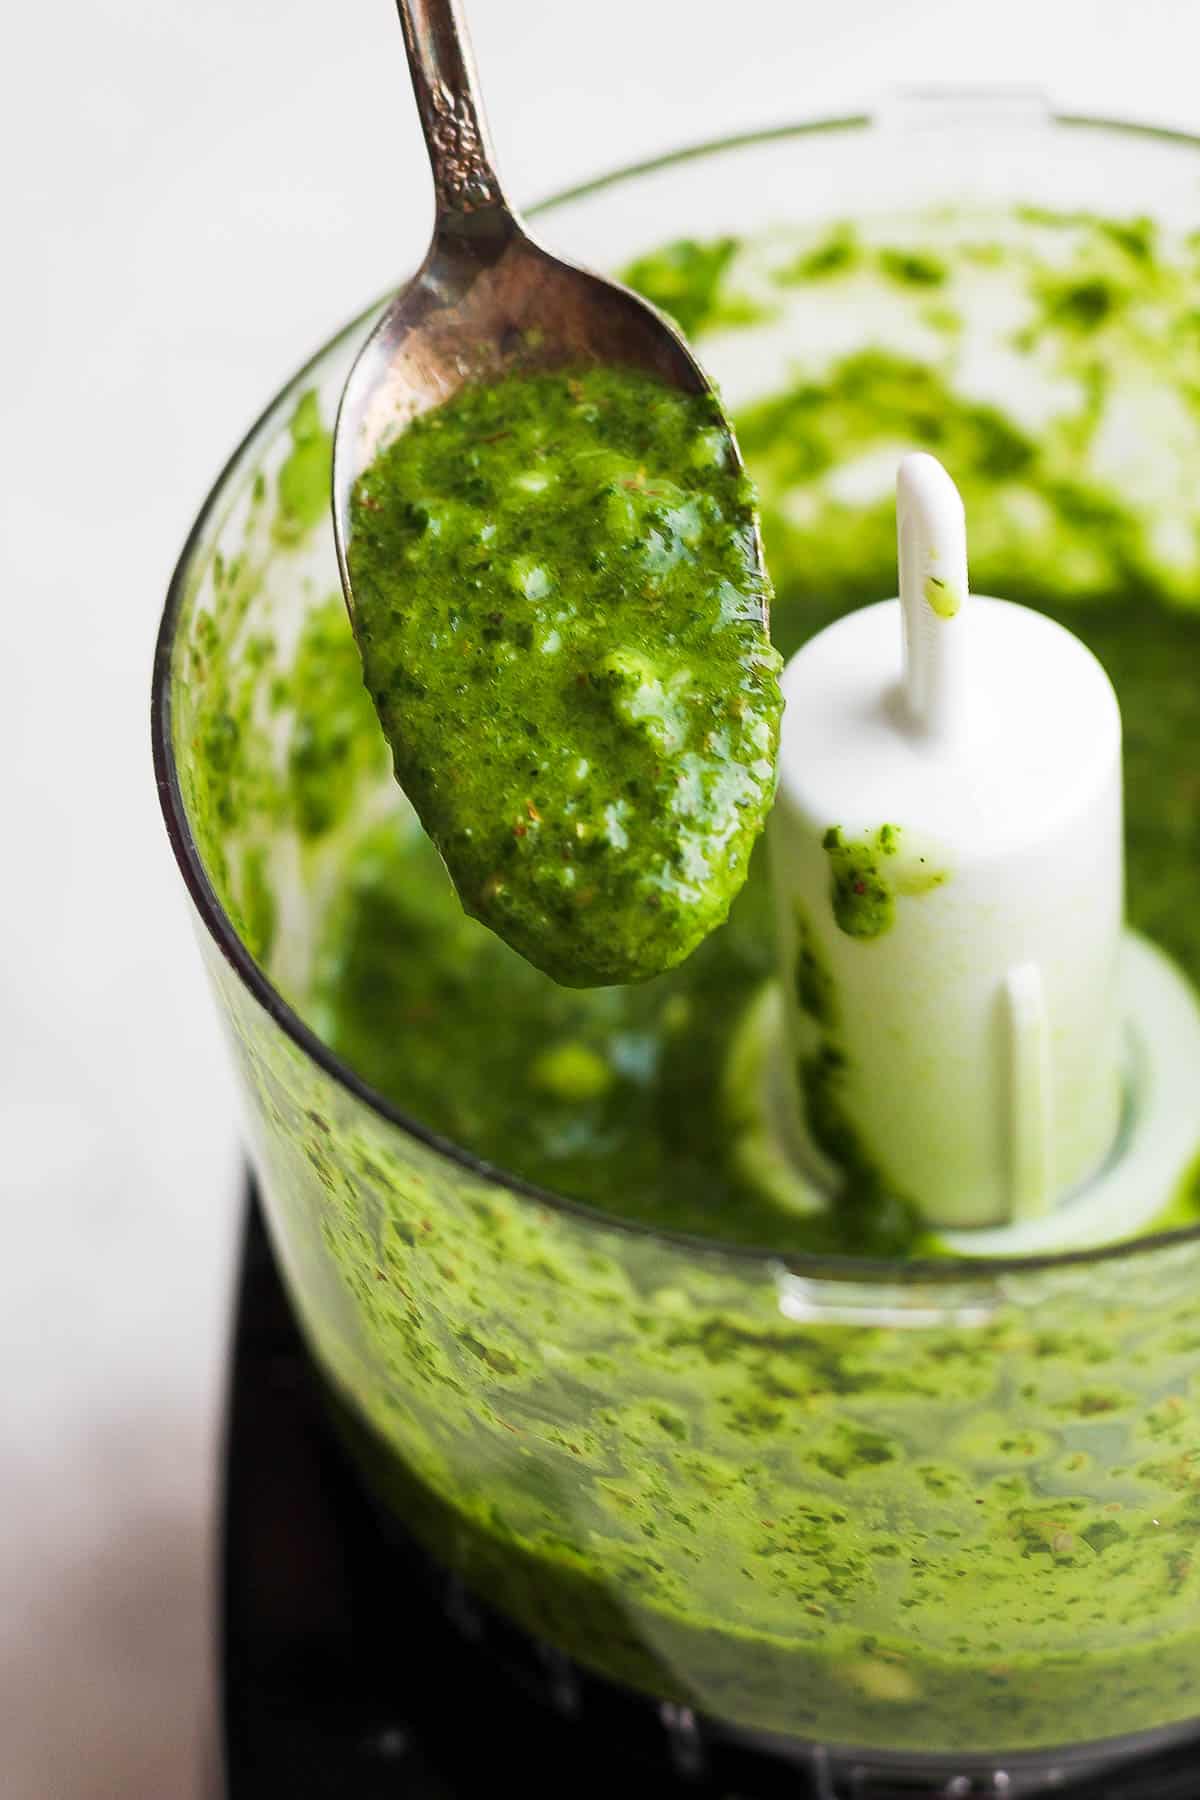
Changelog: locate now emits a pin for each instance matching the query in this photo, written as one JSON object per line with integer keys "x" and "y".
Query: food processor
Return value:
{"x": 520, "y": 1487}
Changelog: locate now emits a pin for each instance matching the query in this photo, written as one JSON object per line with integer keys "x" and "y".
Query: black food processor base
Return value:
{"x": 353, "y": 1670}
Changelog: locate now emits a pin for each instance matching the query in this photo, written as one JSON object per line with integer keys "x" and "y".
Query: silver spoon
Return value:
{"x": 487, "y": 300}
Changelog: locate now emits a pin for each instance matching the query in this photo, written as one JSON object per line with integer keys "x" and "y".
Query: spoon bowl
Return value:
{"x": 488, "y": 300}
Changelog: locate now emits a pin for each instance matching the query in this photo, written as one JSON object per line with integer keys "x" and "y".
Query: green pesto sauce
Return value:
{"x": 656, "y": 1135}
{"x": 303, "y": 486}
{"x": 944, "y": 599}
{"x": 812, "y": 977}
{"x": 936, "y": 1537}
{"x": 560, "y": 609}
{"x": 864, "y": 899}
{"x": 867, "y": 873}
{"x": 870, "y": 1206}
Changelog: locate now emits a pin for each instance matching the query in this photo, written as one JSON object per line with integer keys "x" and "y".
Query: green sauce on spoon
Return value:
{"x": 561, "y": 614}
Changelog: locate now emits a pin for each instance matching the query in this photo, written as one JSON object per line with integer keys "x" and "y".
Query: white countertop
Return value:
{"x": 195, "y": 195}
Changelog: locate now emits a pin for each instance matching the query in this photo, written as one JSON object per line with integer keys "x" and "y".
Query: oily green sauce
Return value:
{"x": 652, "y": 1131}
{"x": 560, "y": 608}
{"x": 869, "y": 873}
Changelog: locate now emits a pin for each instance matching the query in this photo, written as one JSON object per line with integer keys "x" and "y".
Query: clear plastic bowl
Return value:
{"x": 721, "y": 1478}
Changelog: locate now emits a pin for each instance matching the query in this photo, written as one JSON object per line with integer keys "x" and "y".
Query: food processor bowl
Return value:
{"x": 830, "y": 1505}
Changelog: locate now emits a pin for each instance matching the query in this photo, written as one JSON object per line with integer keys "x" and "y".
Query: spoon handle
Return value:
{"x": 466, "y": 188}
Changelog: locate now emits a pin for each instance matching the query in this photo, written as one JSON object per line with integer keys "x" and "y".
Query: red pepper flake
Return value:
{"x": 860, "y": 887}
{"x": 520, "y": 831}
{"x": 636, "y": 484}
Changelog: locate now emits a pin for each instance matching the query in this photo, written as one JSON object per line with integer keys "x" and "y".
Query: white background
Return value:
{"x": 195, "y": 194}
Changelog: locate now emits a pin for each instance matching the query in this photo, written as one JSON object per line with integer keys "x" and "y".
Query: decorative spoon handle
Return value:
{"x": 468, "y": 193}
